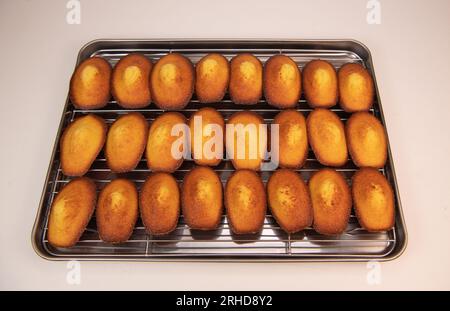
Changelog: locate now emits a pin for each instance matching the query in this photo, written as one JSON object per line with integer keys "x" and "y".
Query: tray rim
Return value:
{"x": 345, "y": 258}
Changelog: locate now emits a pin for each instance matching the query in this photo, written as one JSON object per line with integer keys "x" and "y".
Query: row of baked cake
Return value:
{"x": 363, "y": 136}
{"x": 135, "y": 82}
{"x": 324, "y": 203}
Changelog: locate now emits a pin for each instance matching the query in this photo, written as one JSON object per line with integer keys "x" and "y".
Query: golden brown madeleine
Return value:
{"x": 289, "y": 200}
{"x": 172, "y": 82}
{"x": 130, "y": 81}
{"x": 366, "y": 140}
{"x": 71, "y": 211}
{"x": 246, "y": 79}
{"x": 125, "y": 142}
{"x": 159, "y": 144}
{"x": 117, "y": 211}
{"x": 320, "y": 84}
{"x": 80, "y": 144}
{"x": 326, "y": 135}
{"x": 331, "y": 201}
{"x": 356, "y": 88}
{"x": 201, "y": 198}
{"x": 212, "y": 78}
{"x": 159, "y": 203}
{"x": 374, "y": 200}
{"x": 282, "y": 82}
{"x": 246, "y": 140}
{"x": 206, "y": 142}
{"x": 245, "y": 201}
{"x": 292, "y": 138}
{"x": 90, "y": 84}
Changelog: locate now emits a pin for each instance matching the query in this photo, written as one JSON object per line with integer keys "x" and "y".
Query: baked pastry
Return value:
{"x": 356, "y": 88}
{"x": 90, "y": 84}
{"x": 212, "y": 78}
{"x": 130, "y": 81}
{"x": 326, "y": 135}
{"x": 172, "y": 82}
{"x": 282, "y": 82}
{"x": 245, "y": 202}
{"x": 117, "y": 211}
{"x": 331, "y": 201}
{"x": 289, "y": 200}
{"x": 207, "y": 129}
{"x": 201, "y": 198}
{"x": 160, "y": 140}
{"x": 373, "y": 200}
{"x": 246, "y": 140}
{"x": 125, "y": 142}
{"x": 366, "y": 140}
{"x": 159, "y": 203}
{"x": 71, "y": 211}
{"x": 292, "y": 139}
{"x": 320, "y": 84}
{"x": 80, "y": 144}
{"x": 246, "y": 79}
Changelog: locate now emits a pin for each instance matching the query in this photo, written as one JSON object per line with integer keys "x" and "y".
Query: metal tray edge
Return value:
{"x": 34, "y": 236}
{"x": 401, "y": 249}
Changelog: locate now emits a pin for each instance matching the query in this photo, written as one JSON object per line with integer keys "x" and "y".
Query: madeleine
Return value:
{"x": 292, "y": 139}
{"x": 246, "y": 79}
{"x": 172, "y": 82}
{"x": 160, "y": 140}
{"x": 246, "y": 140}
{"x": 289, "y": 200}
{"x": 320, "y": 84}
{"x": 374, "y": 200}
{"x": 206, "y": 127}
{"x": 125, "y": 142}
{"x": 212, "y": 78}
{"x": 71, "y": 211}
{"x": 159, "y": 203}
{"x": 90, "y": 84}
{"x": 202, "y": 199}
{"x": 356, "y": 89}
{"x": 130, "y": 81}
{"x": 80, "y": 144}
{"x": 326, "y": 135}
{"x": 117, "y": 211}
{"x": 366, "y": 139}
{"x": 282, "y": 82}
{"x": 245, "y": 202}
{"x": 331, "y": 201}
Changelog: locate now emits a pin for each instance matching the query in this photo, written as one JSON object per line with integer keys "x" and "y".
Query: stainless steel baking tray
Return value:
{"x": 272, "y": 244}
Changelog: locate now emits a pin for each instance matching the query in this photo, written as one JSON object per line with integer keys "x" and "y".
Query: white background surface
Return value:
{"x": 410, "y": 49}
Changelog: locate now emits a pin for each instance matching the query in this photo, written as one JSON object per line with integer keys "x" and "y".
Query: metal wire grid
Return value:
{"x": 272, "y": 241}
